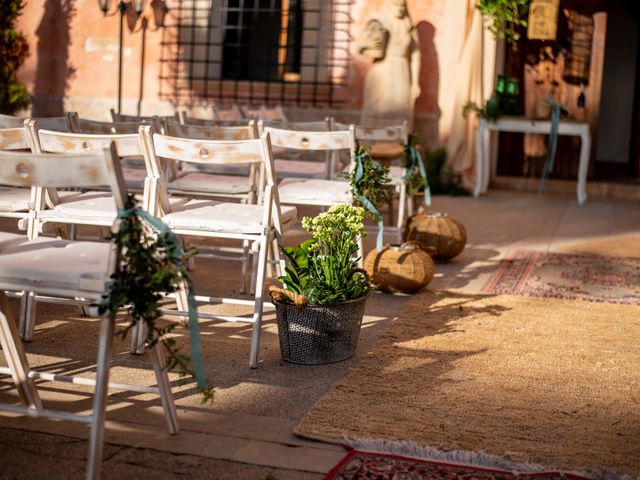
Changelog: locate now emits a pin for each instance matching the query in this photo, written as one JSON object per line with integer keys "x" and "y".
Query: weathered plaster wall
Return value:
{"x": 73, "y": 61}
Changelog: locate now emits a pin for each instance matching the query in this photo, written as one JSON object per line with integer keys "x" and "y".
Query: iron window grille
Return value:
{"x": 291, "y": 52}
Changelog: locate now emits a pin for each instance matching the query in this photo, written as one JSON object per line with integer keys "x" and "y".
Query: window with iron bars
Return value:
{"x": 291, "y": 52}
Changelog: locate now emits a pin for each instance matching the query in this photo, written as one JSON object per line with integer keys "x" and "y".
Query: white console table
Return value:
{"x": 485, "y": 168}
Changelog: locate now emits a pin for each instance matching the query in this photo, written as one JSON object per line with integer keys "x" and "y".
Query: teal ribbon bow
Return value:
{"x": 553, "y": 143}
{"x": 358, "y": 160}
{"x": 412, "y": 158}
{"x": 194, "y": 326}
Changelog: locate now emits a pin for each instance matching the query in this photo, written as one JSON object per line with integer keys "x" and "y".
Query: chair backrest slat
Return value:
{"x": 82, "y": 125}
{"x": 392, "y": 133}
{"x": 310, "y": 140}
{"x": 98, "y": 168}
{"x": 201, "y": 132}
{"x": 208, "y": 151}
{"x": 127, "y": 145}
{"x": 14, "y": 139}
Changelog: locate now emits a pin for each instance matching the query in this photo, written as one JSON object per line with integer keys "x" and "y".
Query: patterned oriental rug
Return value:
{"x": 359, "y": 465}
{"x": 592, "y": 278}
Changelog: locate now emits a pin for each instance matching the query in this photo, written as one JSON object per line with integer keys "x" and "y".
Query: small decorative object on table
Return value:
{"x": 440, "y": 235}
{"x": 320, "y": 312}
{"x": 400, "y": 269}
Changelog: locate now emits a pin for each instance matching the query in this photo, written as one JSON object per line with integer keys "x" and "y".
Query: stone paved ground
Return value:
{"x": 246, "y": 434}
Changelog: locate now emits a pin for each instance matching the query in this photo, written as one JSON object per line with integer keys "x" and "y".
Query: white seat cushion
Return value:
{"x": 395, "y": 174}
{"x": 314, "y": 191}
{"x": 202, "y": 183}
{"x": 49, "y": 265}
{"x": 210, "y": 216}
{"x": 7, "y": 238}
{"x": 14, "y": 199}
{"x": 92, "y": 207}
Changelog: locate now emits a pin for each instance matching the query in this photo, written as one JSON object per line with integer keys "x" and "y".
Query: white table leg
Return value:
{"x": 480, "y": 158}
{"x": 583, "y": 168}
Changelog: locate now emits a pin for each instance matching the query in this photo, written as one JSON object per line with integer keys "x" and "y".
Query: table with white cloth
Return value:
{"x": 485, "y": 167}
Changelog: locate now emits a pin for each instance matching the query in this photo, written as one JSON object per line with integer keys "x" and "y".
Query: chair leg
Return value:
{"x": 360, "y": 253}
{"x": 96, "y": 437}
{"x": 27, "y": 315}
{"x": 245, "y": 266}
{"x": 258, "y": 299}
{"x": 16, "y": 357}
{"x": 164, "y": 387}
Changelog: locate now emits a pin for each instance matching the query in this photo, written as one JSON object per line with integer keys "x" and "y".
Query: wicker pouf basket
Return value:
{"x": 319, "y": 334}
{"x": 400, "y": 269}
{"x": 440, "y": 235}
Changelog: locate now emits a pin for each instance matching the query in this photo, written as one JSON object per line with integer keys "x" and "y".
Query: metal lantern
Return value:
{"x": 577, "y": 64}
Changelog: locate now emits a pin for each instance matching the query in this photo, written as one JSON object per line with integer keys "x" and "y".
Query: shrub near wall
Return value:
{"x": 13, "y": 51}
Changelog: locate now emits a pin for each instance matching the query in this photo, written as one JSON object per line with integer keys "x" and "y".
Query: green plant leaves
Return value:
{"x": 323, "y": 268}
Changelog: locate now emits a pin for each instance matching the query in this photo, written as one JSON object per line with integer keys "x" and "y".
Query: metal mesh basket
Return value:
{"x": 319, "y": 334}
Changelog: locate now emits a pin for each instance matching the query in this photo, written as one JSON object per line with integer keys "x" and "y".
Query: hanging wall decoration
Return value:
{"x": 543, "y": 20}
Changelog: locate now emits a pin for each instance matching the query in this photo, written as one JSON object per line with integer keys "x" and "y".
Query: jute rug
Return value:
{"x": 594, "y": 278}
{"x": 546, "y": 381}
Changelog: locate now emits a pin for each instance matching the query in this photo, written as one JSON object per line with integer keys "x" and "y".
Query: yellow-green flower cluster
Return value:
{"x": 339, "y": 220}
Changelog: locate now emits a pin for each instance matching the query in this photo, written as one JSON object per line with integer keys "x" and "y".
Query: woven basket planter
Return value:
{"x": 319, "y": 334}
{"x": 400, "y": 269}
{"x": 438, "y": 234}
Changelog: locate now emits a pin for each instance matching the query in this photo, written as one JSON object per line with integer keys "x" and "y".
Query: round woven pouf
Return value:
{"x": 400, "y": 269}
{"x": 440, "y": 235}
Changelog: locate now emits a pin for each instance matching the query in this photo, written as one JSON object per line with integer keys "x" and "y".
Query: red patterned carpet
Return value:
{"x": 560, "y": 275}
{"x": 357, "y": 465}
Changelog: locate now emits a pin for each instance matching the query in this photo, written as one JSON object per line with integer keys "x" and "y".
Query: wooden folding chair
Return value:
{"x": 66, "y": 268}
{"x": 314, "y": 191}
{"x": 260, "y": 224}
{"x": 391, "y": 140}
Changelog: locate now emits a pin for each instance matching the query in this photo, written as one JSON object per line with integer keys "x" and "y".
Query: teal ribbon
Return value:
{"x": 194, "y": 326}
{"x": 413, "y": 158}
{"x": 553, "y": 143}
{"x": 358, "y": 160}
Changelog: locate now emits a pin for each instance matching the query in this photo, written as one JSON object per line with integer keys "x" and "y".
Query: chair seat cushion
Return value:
{"x": 210, "y": 216}
{"x": 396, "y": 172}
{"x": 92, "y": 207}
{"x": 209, "y": 183}
{"x": 50, "y": 265}
{"x": 314, "y": 191}
{"x": 14, "y": 199}
{"x": 299, "y": 168}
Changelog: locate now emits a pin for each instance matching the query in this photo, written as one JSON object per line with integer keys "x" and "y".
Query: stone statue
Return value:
{"x": 392, "y": 83}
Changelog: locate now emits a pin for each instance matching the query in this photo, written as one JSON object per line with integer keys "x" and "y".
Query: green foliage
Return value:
{"x": 13, "y": 52}
{"x": 490, "y": 110}
{"x": 372, "y": 182}
{"x": 506, "y": 16}
{"x": 442, "y": 180}
{"x": 147, "y": 267}
{"x": 324, "y": 269}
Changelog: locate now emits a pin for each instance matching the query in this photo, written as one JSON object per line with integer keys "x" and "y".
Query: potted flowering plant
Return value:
{"x": 320, "y": 310}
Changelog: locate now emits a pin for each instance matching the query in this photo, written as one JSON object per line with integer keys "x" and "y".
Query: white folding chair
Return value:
{"x": 273, "y": 114}
{"x": 392, "y": 140}
{"x": 313, "y": 191}
{"x": 92, "y": 207}
{"x": 14, "y": 201}
{"x": 155, "y": 120}
{"x": 219, "y": 181}
{"x": 68, "y": 269}
{"x": 227, "y": 112}
{"x": 303, "y": 164}
{"x": 260, "y": 224}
